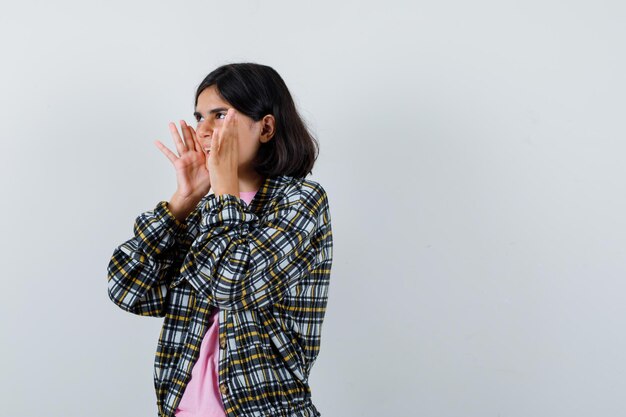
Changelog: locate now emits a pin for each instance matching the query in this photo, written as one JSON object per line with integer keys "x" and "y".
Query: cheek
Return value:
{"x": 245, "y": 140}
{"x": 247, "y": 149}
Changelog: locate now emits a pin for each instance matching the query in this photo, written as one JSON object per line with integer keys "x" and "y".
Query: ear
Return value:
{"x": 268, "y": 128}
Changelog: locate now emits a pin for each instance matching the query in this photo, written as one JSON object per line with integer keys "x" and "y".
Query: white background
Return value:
{"x": 473, "y": 157}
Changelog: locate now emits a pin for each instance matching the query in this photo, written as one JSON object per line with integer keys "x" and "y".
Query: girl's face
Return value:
{"x": 210, "y": 113}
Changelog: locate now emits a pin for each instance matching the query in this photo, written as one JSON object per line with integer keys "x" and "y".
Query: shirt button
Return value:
{"x": 223, "y": 341}
{"x": 223, "y": 388}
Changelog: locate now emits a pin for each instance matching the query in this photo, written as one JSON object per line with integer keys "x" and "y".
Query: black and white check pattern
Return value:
{"x": 266, "y": 266}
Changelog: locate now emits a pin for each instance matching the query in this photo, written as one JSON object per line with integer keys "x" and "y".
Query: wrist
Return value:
{"x": 181, "y": 207}
{"x": 233, "y": 190}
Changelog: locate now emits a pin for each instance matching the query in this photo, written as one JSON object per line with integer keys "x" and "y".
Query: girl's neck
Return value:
{"x": 250, "y": 182}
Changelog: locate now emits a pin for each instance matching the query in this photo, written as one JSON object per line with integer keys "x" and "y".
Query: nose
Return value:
{"x": 204, "y": 132}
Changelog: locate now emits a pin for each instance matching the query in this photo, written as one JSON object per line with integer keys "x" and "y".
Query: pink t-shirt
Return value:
{"x": 202, "y": 397}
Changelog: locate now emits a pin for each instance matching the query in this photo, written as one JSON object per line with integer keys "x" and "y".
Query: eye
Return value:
{"x": 219, "y": 115}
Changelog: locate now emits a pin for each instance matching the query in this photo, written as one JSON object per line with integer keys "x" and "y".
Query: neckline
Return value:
{"x": 268, "y": 189}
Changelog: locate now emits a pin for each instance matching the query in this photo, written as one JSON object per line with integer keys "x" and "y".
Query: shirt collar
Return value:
{"x": 269, "y": 189}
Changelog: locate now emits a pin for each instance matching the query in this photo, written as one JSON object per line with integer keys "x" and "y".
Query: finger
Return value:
{"x": 193, "y": 135}
{"x": 199, "y": 146}
{"x": 180, "y": 145}
{"x": 232, "y": 129}
{"x": 169, "y": 154}
{"x": 216, "y": 143}
{"x": 230, "y": 117}
{"x": 230, "y": 125}
{"x": 187, "y": 135}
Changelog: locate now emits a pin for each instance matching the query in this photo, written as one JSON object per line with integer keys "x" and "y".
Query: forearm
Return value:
{"x": 140, "y": 267}
{"x": 181, "y": 207}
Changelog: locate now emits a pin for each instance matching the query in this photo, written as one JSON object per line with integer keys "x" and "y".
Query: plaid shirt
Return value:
{"x": 266, "y": 266}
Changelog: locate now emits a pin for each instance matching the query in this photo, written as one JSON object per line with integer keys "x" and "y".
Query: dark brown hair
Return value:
{"x": 257, "y": 90}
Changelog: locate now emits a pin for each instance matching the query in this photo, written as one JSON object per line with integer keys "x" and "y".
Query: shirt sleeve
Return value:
{"x": 240, "y": 261}
{"x": 141, "y": 268}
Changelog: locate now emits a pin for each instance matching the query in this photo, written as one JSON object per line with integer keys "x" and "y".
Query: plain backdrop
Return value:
{"x": 472, "y": 153}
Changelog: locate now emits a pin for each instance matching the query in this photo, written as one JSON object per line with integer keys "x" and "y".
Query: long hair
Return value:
{"x": 257, "y": 90}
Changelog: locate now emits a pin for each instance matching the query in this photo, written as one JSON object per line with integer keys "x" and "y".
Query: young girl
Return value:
{"x": 238, "y": 260}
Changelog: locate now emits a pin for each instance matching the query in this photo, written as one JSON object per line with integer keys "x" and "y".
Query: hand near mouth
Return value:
{"x": 192, "y": 173}
{"x": 223, "y": 160}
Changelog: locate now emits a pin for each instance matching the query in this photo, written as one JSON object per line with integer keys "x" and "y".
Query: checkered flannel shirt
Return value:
{"x": 265, "y": 265}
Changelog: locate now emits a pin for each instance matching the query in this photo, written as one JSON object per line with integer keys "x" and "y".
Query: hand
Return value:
{"x": 192, "y": 175}
{"x": 223, "y": 160}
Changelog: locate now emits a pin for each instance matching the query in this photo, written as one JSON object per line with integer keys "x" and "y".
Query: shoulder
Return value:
{"x": 307, "y": 193}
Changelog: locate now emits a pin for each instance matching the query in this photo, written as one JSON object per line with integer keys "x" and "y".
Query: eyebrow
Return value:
{"x": 215, "y": 110}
